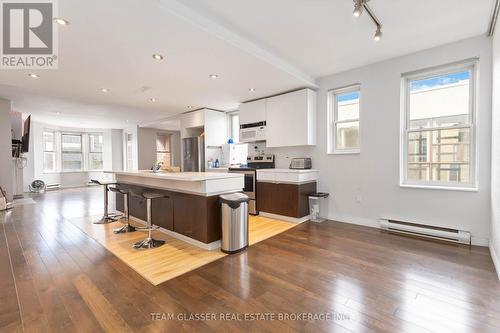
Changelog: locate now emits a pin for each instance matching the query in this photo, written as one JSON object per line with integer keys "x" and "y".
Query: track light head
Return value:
{"x": 378, "y": 34}
{"x": 358, "y": 8}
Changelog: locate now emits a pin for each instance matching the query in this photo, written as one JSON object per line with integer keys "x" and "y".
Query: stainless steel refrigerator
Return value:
{"x": 193, "y": 154}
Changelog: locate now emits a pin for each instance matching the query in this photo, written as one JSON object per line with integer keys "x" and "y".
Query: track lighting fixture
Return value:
{"x": 359, "y": 5}
{"x": 378, "y": 34}
{"x": 358, "y": 8}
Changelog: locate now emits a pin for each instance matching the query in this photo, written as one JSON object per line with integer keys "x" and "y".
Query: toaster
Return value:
{"x": 301, "y": 163}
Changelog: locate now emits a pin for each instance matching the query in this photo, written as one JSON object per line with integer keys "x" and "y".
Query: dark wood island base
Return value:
{"x": 194, "y": 216}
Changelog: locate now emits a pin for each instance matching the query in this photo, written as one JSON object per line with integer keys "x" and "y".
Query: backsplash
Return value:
{"x": 282, "y": 155}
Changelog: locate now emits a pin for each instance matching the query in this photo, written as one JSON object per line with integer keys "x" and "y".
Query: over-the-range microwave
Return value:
{"x": 253, "y": 132}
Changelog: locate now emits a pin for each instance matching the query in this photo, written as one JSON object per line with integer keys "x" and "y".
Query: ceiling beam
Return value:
{"x": 228, "y": 35}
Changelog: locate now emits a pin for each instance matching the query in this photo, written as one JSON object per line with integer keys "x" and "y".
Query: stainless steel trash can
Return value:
{"x": 234, "y": 216}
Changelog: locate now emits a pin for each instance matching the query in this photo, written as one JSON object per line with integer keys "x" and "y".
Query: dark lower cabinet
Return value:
{"x": 194, "y": 216}
{"x": 290, "y": 200}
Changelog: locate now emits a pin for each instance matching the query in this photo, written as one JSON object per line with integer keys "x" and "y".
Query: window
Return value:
{"x": 71, "y": 152}
{"x": 49, "y": 151}
{"x": 235, "y": 127}
{"x": 343, "y": 134}
{"x": 163, "y": 149}
{"x": 95, "y": 151}
{"x": 438, "y": 147}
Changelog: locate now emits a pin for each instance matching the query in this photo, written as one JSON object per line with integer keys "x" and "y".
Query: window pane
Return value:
{"x": 440, "y": 101}
{"x": 95, "y": 161}
{"x": 48, "y": 141}
{"x": 72, "y": 161}
{"x": 95, "y": 141}
{"x": 71, "y": 143}
{"x": 347, "y": 135}
{"x": 439, "y": 155}
{"x": 164, "y": 158}
{"x": 162, "y": 142}
{"x": 49, "y": 161}
{"x": 347, "y": 106}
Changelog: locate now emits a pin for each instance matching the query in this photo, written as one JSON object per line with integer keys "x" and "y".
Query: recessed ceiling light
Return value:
{"x": 213, "y": 76}
{"x": 152, "y": 99}
{"x": 104, "y": 90}
{"x": 61, "y": 21}
{"x": 35, "y": 76}
{"x": 58, "y": 113}
{"x": 157, "y": 56}
{"x": 251, "y": 89}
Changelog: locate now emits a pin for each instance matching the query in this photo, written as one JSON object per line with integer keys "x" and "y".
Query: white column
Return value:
{"x": 6, "y": 180}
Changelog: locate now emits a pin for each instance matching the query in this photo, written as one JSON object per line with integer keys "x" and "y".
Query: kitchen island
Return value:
{"x": 190, "y": 209}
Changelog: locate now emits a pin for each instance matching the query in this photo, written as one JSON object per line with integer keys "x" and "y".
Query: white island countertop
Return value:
{"x": 200, "y": 183}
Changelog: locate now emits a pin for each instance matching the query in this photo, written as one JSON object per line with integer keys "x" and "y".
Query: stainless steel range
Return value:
{"x": 250, "y": 172}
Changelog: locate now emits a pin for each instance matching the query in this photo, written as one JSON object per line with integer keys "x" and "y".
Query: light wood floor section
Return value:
{"x": 174, "y": 258}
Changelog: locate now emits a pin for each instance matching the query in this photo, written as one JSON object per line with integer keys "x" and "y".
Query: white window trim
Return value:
{"x": 85, "y": 151}
{"x": 82, "y": 145}
{"x": 469, "y": 64}
{"x": 54, "y": 150}
{"x": 332, "y": 120}
{"x": 89, "y": 151}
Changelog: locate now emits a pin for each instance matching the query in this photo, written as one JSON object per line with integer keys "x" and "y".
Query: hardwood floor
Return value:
{"x": 174, "y": 258}
{"x": 54, "y": 278}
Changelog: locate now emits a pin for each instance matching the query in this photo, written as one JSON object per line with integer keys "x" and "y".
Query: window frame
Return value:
{"x": 169, "y": 151}
{"x": 82, "y": 145}
{"x": 53, "y": 151}
{"x": 470, "y": 65}
{"x": 333, "y": 116}
{"x": 90, "y": 151}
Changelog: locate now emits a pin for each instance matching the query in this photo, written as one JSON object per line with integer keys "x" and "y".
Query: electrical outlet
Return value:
{"x": 358, "y": 198}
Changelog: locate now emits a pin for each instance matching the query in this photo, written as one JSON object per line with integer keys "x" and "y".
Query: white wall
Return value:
{"x": 5, "y": 148}
{"x": 372, "y": 177}
{"x": 495, "y": 158}
{"x": 146, "y": 142}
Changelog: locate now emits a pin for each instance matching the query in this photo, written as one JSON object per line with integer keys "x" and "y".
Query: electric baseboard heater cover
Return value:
{"x": 427, "y": 231}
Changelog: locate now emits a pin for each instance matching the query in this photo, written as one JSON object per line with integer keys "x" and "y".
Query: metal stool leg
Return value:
{"x": 149, "y": 242}
{"x": 126, "y": 227}
{"x": 107, "y": 218}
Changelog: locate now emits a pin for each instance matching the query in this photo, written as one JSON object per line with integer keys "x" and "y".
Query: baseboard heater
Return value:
{"x": 426, "y": 231}
{"x": 51, "y": 187}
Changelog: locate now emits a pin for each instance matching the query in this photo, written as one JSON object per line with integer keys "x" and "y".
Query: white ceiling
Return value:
{"x": 273, "y": 46}
{"x": 322, "y": 37}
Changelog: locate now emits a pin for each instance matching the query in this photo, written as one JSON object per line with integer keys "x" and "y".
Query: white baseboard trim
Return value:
{"x": 495, "y": 259}
{"x": 285, "y": 218}
{"x": 210, "y": 246}
{"x": 477, "y": 241}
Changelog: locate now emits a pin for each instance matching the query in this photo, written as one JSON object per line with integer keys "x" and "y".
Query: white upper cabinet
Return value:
{"x": 253, "y": 112}
{"x": 216, "y": 132}
{"x": 291, "y": 119}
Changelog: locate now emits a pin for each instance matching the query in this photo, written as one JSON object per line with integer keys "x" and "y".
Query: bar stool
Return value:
{"x": 107, "y": 218}
{"x": 126, "y": 227}
{"x": 149, "y": 242}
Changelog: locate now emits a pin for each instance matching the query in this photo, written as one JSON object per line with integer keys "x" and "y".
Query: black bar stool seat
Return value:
{"x": 106, "y": 218}
{"x": 149, "y": 242}
{"x": 126, "y": 201}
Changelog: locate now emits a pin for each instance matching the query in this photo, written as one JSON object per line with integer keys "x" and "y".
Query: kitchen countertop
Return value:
{"x": 287, "y": 176}
{"x": 199, "y": 183}
{"x": 288, "y": 170}
{"x": 181, "y": 176}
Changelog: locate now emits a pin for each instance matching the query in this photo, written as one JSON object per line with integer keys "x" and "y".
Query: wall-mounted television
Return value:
{"x": 26, "y": 135}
